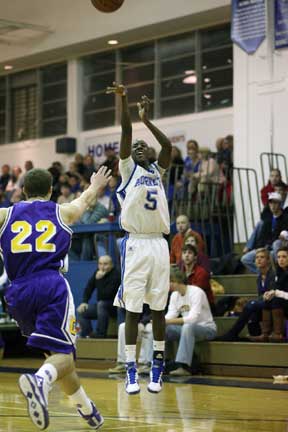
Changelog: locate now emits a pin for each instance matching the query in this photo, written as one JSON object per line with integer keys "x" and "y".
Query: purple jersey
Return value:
{"x": 34, "y": 238}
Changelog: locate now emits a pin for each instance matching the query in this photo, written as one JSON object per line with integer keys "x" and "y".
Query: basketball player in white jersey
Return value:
{"x": 144, "y": 251}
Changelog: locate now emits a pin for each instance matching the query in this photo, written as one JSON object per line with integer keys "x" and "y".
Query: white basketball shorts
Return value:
{"x": 145, "y": 272}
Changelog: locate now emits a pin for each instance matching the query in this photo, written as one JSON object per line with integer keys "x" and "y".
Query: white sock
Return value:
{"x": 130, "y": 353}
{"x": 81, "y": 401}
{"x": 48, "y": 372}
{"x": 158, "y": 345}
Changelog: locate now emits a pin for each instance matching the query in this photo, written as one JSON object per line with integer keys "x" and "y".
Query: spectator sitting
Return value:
{"x": 177, "y": 164}
{"x": 66, "y": 195}
{"x": 111, "y": 161}
{"x": 5, "y": 176}
{"x": 74, "y": 182}
{"x": 79, "y": 161}
{"x": 28, "y": 167}
{"x": 202, "y": 258}
{"x": 196, "y": 275}
{"x": 14, "y": 180}
{"x": 281, "y": 188}
{"x": 274, "y": 179}
{"x": 276, "y": 301}
{"x": 72, "y": 169}
{"x": 273, "y": 224}
{"x": 188, "y": 320}
{"x": 17, "y": 196}
{"x": 175, "y": 174}
{"x": 224, "y": 155}
{"x": 111, "y": 192}
{"x": 209, "y": 172}
{"x": 89, "y": 166}
{"x": 54, "y": 171}
{"x": 82, "y": 244}
{"x": 252, "y": 312}
{"x": 183, "y": 228}
{"x": 144, "y": 335}
{"x": 191, "y": 166}
{"x": 105, "y": 280}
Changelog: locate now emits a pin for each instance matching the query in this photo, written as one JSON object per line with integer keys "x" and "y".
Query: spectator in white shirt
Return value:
{"x": 188, "y": 320}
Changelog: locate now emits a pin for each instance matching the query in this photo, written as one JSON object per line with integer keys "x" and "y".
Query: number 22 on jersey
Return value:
{"x": 23, "y": 229}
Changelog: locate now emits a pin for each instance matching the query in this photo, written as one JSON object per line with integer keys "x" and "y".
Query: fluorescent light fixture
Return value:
{"x": 189, "y": 72}
{"x": 112, "y": 42}
{"x": 207, "y": 96}
{"x": 8, "y": 67}
{"x": 190, "y": 79}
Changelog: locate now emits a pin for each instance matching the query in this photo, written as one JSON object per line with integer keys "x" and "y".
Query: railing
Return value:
{"x": 207, "y": 202}
{"x": 269, "y": 161}
{"x": 223, "y": 211}
{"x": 246, "y": 202}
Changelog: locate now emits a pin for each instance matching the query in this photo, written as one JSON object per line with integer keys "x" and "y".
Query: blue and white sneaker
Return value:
{"x": 157, "y": 369}
{"x": 132, "y": 385}
{"x": 37, "y": 405}
{"x": 93, "y": 420}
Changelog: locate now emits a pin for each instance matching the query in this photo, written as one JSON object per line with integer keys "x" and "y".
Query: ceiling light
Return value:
{"x": 207, "y": 96}
{"x": 8, "y": 67}
{"x": 207, "y": 80}
{"x": 189, "y": 72}
{"x": 112, "y": 42}
{"x": 191, "y": 79}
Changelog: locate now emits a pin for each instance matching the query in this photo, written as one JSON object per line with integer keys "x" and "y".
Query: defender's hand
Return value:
{"x": 143, "y": 108}
{"x": 117, "y": 89}
{"x": 101, "y": 178}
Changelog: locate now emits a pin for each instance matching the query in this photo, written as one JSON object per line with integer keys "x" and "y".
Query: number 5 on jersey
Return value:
{"x": 152, "y": 201}
{"x": 24, "y": 230}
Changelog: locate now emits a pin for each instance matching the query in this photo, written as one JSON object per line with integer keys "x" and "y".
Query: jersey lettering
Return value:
{"x": 152, "y": 201}
{"x": 147, "y": 181}
{"x": 24, "y": 230}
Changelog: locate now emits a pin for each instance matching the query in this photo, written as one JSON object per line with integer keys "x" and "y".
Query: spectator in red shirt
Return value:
{"x": 274, "y": 179}
{"x": 202, "y": 258}
{"x": 196, "y": 275}
{"x": 183, "y": 228}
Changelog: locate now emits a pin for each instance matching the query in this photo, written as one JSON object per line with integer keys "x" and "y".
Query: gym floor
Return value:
{"x": 198, "y": 404}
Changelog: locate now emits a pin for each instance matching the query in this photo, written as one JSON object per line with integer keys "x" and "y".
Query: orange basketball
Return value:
{"x": 107, "y": 5}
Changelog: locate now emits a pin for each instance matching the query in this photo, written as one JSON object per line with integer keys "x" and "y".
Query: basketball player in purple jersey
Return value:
{"x": 35, "y": 239}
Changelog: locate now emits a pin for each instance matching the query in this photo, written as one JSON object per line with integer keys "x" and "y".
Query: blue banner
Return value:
{"x": 281, "y": 23}
{"x": 248, "y": 24}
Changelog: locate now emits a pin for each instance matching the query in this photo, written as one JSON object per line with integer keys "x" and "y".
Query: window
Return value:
{"x": 137, "y": 70}
{"x": 24, "y": 116}
{"x": 2, "y": 111}
{"x": 98, "y": 73}
{"x": 177, "y": 65}
{"x": 54, "y": 100}
{"x": 216, "y": 68}
{"x": 38, "y": 103}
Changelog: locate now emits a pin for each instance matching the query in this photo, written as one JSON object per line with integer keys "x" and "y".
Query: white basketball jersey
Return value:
{"x": 143, "y": 201}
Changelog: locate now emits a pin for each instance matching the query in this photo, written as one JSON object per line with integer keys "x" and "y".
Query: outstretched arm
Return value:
{"x": 126, "y": 125}
{"x": 164, "y": 157}
{"x": 71, "y": 212}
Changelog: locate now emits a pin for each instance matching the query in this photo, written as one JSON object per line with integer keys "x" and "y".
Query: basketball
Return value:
{"x": 107, "y": 5}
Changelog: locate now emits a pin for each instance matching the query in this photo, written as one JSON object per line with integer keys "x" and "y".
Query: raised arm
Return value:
{"x": 71, "y": 212}
{"x": 164, "y": 157}
{"x": 126, "y": 125}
